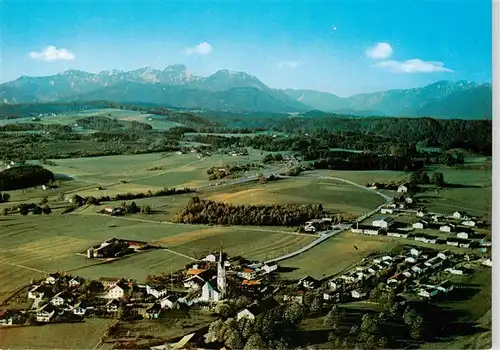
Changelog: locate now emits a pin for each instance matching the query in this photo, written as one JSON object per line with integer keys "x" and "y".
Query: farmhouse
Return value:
{"x": 420, "y": 224}
{"x": 447, "y": 228}
{"x": 487, "y": 262}
{"x": 45, "y": 313}
{"x": 398, "y": 233}
{"x": 37, "y": 292}
{"x": 384, "y": 222}
{"x": 153, "y": 312}
{"x": 156, "y": 291}
{"x": 268, "y": 268}
{"x": 113, "y": 305}
{"x": 75, "y": 281}
{"x": 463, "y": 235}
{"x": 470, "y": 223}
{"x": 296, "y": 296}
{"x": 307, "y": 282}
{"x": 119, "y": 291}
{"x": 454, "y": 271}
{"x": 421, "y": 213}
{"x": 61, "y": 298}
{"x": 403, "y": 189}
{"x": 452, "y": 241}
{"x": 247, "y": 273}
{"x": 358, "y": 294}
{"x": 387, "y": 210}
{"x": 257, "y": 308}
{"x": 79, "y": 309}
{"x": 52, "y": 278}
{"x": 194, "y": 282}
{"x": 426, "y": 238}
{"x": 460, "y": 215}
{"x": 109, "y": 281}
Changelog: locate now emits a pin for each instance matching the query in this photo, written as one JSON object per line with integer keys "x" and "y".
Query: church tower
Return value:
{"x": 221, "y": 275}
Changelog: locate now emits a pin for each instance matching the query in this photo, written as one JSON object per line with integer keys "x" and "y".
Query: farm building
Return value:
{"x": 307, "y": 282}
{"x": 387, "y": 210}
{"x": 384, "y": 222}
{"x": 463, "y": 235}
{"x": 398, "y": 233}
{"x": 257, "y": 308}
{"x": 460, "y": 215}
{"x": 420, "y": 224}
{"x": 426, "y": 238}
{"x": 403, "y": 189}
{"x": 421, "y": 213}
{"x": 358, "y": 294}
{"x": 447, "y": 228}
{"x": 469, "y": 223}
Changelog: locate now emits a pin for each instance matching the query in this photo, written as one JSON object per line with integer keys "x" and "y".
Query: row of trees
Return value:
{"x": 200, "y": 211}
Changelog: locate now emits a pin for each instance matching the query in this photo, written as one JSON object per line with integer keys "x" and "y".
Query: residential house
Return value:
{"x": 418, "y": 269}
{"x": 402, "y": 189}
{"x": 45, "y": 313}
{"x": 296, "y": 296}
{"x": 358, "y": 294}
{"x": 409, "y": 200}
{"x": 194, "y": 282}
{"x": 407, "y": 274}
{"x": 210, "y": 292}
{"x": 385, "y": 210}
{"x": 426, "y": 238}
{"x": 153, "y": 312}
{"x": 331, "y": 296}
{"x": 37, "y": 292}
{"x": 463, "y": 235}
{"x": 420, "y": 224}
{"x": 452, "y": 241}
{"x": 210, "y": 257}
{"x": 109, "y": 281}
{"x": 398, "y": 233}
{"x": 308, "y": 282}
{"x": 447, "y": 228}
{"x": 464, "y": 243}
{"x": 156, "y": 291}
{"x": 470, "y": 223}
{"x": 460, "y": 215}
{"x": 6, "y": 318}
{"x": 421, "y": 213}
{"x": 119, "y": 291}
{"x": 428, "y": 292}
{"x": 80, "y": 309}
{"x": 411, "y": 259}
{"x": 52, "y": 278}
{"x": 113, "y": 305}
{"x": 415, "y": 252}
{"x": 434, "y": 262}
{"x": 169, "y": 302}
{"x": 257, "y": 308}
{"x": 397, "y": 278}
{"x": 75, "y": 282}
{"x": 61, "y": 298}
{"x": 454, "y": 271}
{"x": 445, "y": 254}
{"x": 384, "y": 222}
{"x": 333, "y": 285}
{"x": 247, "y": 273}
{"x": 268, "y": 268}
{"x": 487, "y": 262}
{"x": 372, "y": 231}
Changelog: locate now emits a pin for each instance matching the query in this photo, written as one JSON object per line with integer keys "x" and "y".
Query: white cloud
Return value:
{"x": 203, "y": 48}
{"x": 414, "y": 65}
{"x": 52, "y": 53}
{"x": 380, "y": 51}
{"x": 289, "y": 64}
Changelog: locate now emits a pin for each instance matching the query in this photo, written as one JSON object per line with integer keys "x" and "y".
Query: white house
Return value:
{"x": 444, "y": 254}
{"x": 399, "y": 234}
{"x": 386, "y": 210}
{"x": 453, "y": 242}
{"x": 356, "y": 229}
{"x": 210, "y": 293}
{"x": 487, "y": 262}
{"x": 371, "y": 231}
{"x": 447, "y": 228}
{"x": 79, "y": 309}
{"x": 268, "y": 268}
{"x": 247, "y": 273}
{"x": 6, "y": 318}
{"x": 411, "y": 260}
{"x": 454, "y": 271}
{"x": 383, "y": 222}
{"x": 75, "y": 281}
{"x": 45, "y": 313}
{"x": 409, "y": 200}
{"x": 459, "y": 215}
{"x": 169, "y": 302}
{"x": 421, "y": 213}
{"x": 420, "y": 224}
{"x": 418, "y": 269}
{"x": 463, "y": 235}
{"x": 52, "y": 278}
{"x": 415, "y": 252}
{"x": 211, "y": 258}
{"x": 157, "y": 292}
{"x": 113, "y": 305}
{"x": 194, "y": 282}
{"x": 36, "y": 292}
{"x": 403, "y": 189}
{"x": 358, "y": 294}
{"x": 60, "y": 299}
{"x": 117, "y": 292}
{"x": 470, "y": 223}
{"x": 333, "y": 285}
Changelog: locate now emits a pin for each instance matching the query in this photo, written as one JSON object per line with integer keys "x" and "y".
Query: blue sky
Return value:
{"x": 339, "y": 46}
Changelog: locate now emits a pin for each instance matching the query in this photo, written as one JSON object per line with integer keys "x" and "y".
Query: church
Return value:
{"x": 214, "y": 292}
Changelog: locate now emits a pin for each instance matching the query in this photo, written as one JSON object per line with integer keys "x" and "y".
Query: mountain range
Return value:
{"x": 232, "y": 91}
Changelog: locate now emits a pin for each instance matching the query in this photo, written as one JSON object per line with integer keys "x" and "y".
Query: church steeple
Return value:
{"x": 221, "y": 274}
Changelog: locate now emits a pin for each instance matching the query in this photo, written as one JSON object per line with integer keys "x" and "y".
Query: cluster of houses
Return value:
{"x": 115, "y": 248}
{"x": 315, "y": 225}
{"x": 411, "y": 271}
{"x": 459, "y": 228}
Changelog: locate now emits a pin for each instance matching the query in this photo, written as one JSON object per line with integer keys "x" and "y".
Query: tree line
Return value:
{"x": 201, "y": 211}
{"x": 24, "y": 176}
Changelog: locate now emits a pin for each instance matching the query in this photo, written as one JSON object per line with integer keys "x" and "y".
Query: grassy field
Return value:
{"x": 336, "y": 254}
{"x": 62, "y": 336}
{"x": 335, "y": 196}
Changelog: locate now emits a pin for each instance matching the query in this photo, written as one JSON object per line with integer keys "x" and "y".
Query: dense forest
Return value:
{"x": 111, "y": 124}
{"x": 200, "y": 211}
{"x": 24, "y": 176}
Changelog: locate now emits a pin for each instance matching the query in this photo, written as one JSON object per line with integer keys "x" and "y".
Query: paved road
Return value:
{"x": 327, "y": 234}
